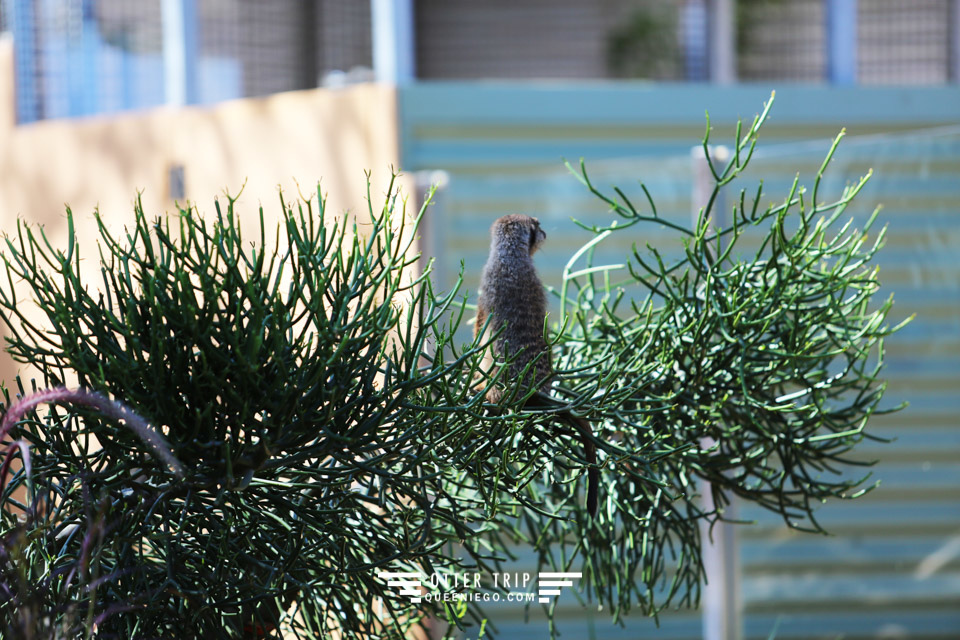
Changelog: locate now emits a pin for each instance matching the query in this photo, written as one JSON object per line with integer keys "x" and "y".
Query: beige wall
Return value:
{"x": 325, "y": 135}
{"x": 331, "y": 136}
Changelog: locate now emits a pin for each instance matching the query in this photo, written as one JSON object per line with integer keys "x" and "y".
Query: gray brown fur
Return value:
{"x": 512, "y": 295}
{"x": 513, "y": 298}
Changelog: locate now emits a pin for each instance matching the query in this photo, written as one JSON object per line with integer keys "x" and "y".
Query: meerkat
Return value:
{"x": 512, "y": 295}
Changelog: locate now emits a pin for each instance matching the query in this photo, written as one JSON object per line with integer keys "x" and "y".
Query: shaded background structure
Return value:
{"x": 184, "y": 98}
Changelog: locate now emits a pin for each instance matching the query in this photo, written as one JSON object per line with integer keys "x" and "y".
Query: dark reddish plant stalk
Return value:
{"x": 111, "y": 408}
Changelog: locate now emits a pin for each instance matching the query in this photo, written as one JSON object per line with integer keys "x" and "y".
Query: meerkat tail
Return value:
{"x": 593, "y": 477}
{"x": 590, "y": 453}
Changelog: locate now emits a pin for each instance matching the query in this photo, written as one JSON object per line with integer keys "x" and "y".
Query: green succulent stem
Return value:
{"x": 327, "y": 423}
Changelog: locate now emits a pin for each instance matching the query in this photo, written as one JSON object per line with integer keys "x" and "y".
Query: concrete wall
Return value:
{"x": 331, "y": 136}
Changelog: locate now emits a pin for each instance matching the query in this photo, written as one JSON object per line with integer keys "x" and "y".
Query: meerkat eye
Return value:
{"x": 533, "y": 235}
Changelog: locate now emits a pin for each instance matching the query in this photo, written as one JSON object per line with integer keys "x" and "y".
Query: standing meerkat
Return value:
{"x": 513, "y": 297}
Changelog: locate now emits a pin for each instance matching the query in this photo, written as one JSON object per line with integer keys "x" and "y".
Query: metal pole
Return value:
{"x": 22, "y": 21}
{"x": 393, "y": 41}
{"x": 180, "y": 51}
{"x": 954, "y": 39}
{"x": 722, "y": 39}
{"x": 432, "y": 242}
{"x": 842, "y": 41}
{"x": 88, "y": 94}
{"x": 721, "y": 561}
{"x": 309, "y": 71}
{"x": 721, "y": 610}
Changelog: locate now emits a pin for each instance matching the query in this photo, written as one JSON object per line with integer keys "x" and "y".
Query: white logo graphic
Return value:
{"x": 549, "y": 583}
{"x": 409, "y": 583}
{"x": 470, "y": 586}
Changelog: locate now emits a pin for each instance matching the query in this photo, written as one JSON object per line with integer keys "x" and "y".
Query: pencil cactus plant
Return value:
{"x": 331, "y": 426}
{"x": 43, "y": 595}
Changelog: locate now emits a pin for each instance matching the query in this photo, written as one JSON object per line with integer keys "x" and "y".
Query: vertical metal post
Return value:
{"x": 722, "y": 39}
{"x": 722, "y": 612}
{"x": 393, "y": 41}
{"x": 954, "y": 38}
{"x": 180, "y": 51}
{"x": 695, "y": 19}
{"x": 22, "y": 20}
{"x": 126, "y": 78}
{"x": 309, "y": 71}
{"x": 84, "y": 72}
{"x": 720, "y": 603}
{"x": 432, "y": 243}
{"x": 842, "y": 41}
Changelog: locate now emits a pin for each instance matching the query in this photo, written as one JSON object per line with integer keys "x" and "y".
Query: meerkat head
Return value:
{"x": 518, "y": 232}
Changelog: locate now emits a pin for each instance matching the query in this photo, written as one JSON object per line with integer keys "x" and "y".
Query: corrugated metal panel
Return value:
{"x": 895, "y": 560}
{"x": 893, "y": 567}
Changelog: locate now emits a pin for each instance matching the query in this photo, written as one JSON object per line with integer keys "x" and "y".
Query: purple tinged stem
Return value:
{"x": 110, "y": 408}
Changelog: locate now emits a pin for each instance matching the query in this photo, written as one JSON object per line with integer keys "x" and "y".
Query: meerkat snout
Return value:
{"x": 537, "y": 235}
{"x": 517, "y": 233}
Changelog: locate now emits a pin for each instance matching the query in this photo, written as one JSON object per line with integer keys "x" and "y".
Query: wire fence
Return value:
{"x": 905, "y": 42}
{"x": 897, "y": 41}
{"x": 83, "y": 57}
{"x": 782, "y": 40}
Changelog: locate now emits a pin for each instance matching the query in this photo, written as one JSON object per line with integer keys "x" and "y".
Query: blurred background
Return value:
{"x": 182, "y": 99}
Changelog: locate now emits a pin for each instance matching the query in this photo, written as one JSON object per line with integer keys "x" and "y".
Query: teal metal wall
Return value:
{"x": 892, "y": 569}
